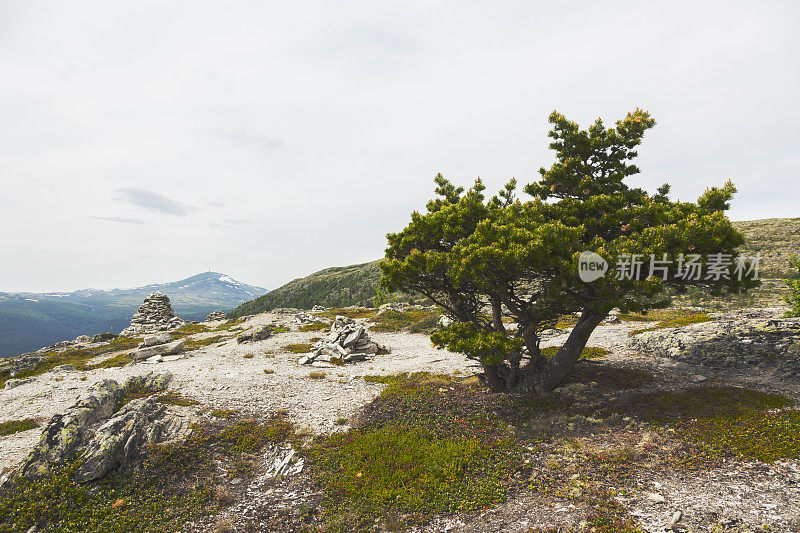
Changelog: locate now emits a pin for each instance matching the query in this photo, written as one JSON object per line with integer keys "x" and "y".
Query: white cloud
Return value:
{"x": 151, "y": 201}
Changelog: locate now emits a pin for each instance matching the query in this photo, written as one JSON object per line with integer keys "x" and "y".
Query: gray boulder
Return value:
{"x": 121, "y": 439}
{"x": 11, "y": 383}
{"x": 103, "y": 440}
{"x": 215, "y": 316}
{"x": 257, "y": 333}
{"x": 104, "y": 337}
{"x": 169, "y": 348}
{"x": 63, "y": 435}
{"x": 154, "y": 340}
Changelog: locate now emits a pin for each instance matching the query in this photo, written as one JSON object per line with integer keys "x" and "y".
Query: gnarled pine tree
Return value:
{"x": 485, "y": 259}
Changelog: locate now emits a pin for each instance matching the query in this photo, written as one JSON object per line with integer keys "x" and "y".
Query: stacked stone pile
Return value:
{"x": 154, "y": 315}
{"x": 348, "y": 341}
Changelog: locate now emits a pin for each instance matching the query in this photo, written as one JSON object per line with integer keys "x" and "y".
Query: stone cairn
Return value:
{"x": 348, "y": 342}
{"x": 154, "y": 315}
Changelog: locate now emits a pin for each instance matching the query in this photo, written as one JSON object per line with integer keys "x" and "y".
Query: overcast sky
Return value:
{"x": 145, "y": 141}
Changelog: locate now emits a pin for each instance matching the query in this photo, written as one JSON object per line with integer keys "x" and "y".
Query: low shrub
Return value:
{"x": 397, "y": 470}
{"x": 413, "y": 320}
{"x": 587, "y": 353}
{"x": 194, "y": 344}
{"x": 114, "y": 362}
{"x": 727, "y": 420}
{"x": 354, "y": 312}
{"x": 298, "y": 348}
{"x": 10, "y": 427}
{"x": 426, "y": 445}
{"x": 315, "y": 326}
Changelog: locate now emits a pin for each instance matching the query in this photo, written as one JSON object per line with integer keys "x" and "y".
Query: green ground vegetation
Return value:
{"x": 314, "y": 326}
{"x": 78, "y": 357}
{"x": 9, "y": 427}
{"x": 411, "y": 320}
{"x": 301, "y": 347}
{"x": 174, "y": 483}
{"x": 432, "y": 445}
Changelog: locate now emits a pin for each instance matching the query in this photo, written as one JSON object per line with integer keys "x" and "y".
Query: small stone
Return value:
{"x": 676, "y": 517}
{"x": 655, "y": 498}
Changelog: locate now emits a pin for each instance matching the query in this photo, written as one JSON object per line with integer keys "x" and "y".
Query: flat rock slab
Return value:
{"x": 169, "y": 348}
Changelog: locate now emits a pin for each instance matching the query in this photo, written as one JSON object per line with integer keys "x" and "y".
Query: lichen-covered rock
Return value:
{"x": 64, "y": 434}
{"x": 104, "y": 337}
{"x": 90, "y": 431}
{"x": 750, "y": 338}
{"x": 151, "y": 382}
{"x": 11, "y": 383}
{"x": 257, "y": 333}
{"x": 121, "y": 439}
{"x": 215, "y": 316}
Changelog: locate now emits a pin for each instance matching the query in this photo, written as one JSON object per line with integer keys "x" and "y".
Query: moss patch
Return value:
{"x": 355, "y": 312}
{"x": 192, "y": 344}
{"x": 413, "y": 320}
{"x": 417, "y": 451}
{"x": 695, "y": 318}
{"x": 298, "y": 348}
{"x": 10, "y": 427}
{"x": 77, "y": 357}
{"x": 665, "y": 318}
{"x": 172, "y": 397}
{"x": 175, "y": 484}
{"x": 726, "y": 420}
{"x": 588, "y": 353}
{"x": 190, "y": 329}
{"x": 113, "y": 362}
{"x": 315, "y": 326}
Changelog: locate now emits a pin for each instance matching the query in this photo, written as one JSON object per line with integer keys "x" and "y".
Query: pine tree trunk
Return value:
{"x": 549, "y": 374}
